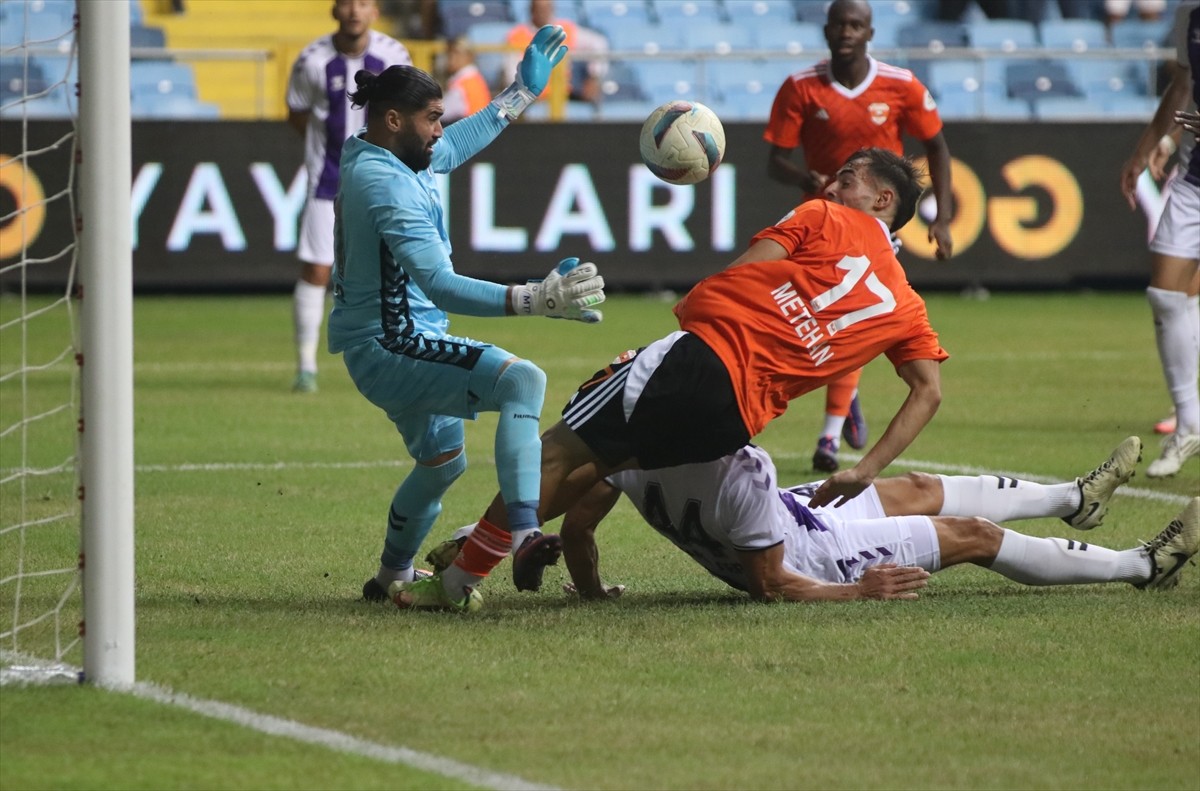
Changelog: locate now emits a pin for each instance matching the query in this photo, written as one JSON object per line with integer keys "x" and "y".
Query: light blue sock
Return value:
{"x": 519, "y": 393}
{"x": 415, "y": 506}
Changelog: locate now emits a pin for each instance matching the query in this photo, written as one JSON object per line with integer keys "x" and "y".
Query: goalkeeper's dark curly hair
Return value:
{"x": 899, "y": 173}
{"x": 405, "y": 89}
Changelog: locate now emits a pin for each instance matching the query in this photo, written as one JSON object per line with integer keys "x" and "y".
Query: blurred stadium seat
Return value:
{"x": 932, "y": 35}
{"x": 1130, "y": 107}
{"x": 762, "y": 13}
{"x": 795, "y": 39}
{"x": 147, "y": 37}
{"x": 663, "y": 80}
{"x": 459, "y": 15}
{"x": 1141, "y": 34}
{"x": 609, "y": 14}
{"x": 1039, "y": 79}
{"x": 1077, "y": 35}
{"x": 688, "y": 12}
{"x": 644, "y": 37}
{"x": 150, "y": 79}
{"x": 1005, "y": 35}
{"x": 627, "y": 110}
{"x": 17, "y": 78}
{"x": 172, "y": 107}
{"x": 621, "y": 83}
{"x": 719, "y": 37}
{"x": 1066, "y": 108}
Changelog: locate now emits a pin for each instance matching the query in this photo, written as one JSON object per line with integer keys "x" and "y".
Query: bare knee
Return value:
{"x": 911, "y": 494}
{"x": 968, "y": 539}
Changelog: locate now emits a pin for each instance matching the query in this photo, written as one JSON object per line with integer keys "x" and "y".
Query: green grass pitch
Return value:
{"x": 260, "y": 513}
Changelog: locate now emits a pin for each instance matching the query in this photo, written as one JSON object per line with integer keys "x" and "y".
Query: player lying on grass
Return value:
{"x": 731, "y": 518}
{"x": 815, "y": 296}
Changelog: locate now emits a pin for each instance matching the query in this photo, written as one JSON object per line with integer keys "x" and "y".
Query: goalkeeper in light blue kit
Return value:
{"x": 393, "y": 283}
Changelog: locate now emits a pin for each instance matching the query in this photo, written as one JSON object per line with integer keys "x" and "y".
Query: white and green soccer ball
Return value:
{"x": 682, "y": 142}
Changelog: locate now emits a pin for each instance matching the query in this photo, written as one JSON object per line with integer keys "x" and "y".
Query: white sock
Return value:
{"x": 1059, "y": 561}
{"x": 1178, "y": 336}
{"x": 833, "y": 426}
{"x": 1002, "y": 499}
{"x": 387, "y": 576}
{"x": 519, "y": 536}
{"x": 308, "y": 311}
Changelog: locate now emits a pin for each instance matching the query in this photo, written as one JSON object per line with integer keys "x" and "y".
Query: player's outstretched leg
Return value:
{"x": 430, "y": 594}
{"x": 374, "y": 591}
{"x": 1171, "y": 549}
{"x": 1097, "y": 487}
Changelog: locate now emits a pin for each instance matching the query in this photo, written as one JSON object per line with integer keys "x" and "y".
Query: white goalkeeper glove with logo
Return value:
{"x": 570, "y": 291}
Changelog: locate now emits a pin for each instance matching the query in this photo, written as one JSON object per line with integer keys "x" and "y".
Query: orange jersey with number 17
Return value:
{"x": 785, "y": 328}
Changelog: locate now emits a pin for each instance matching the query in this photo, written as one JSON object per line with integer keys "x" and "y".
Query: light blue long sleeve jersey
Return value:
{"x": 392, "y": 275}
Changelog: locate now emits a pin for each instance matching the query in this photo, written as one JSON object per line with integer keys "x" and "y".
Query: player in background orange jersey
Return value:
{"x": 831, "y": 110}
{"x": 815, "y": 297}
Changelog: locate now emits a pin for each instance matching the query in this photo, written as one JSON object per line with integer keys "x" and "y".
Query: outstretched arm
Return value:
{"x": 771, "y": 582}
{"x": 937, "y": 153}
{"x": 1175, "y": 98}
{"x": 578, "y": 533}
{"x": 781, "y": 168}
{"x": 923, "y": 378}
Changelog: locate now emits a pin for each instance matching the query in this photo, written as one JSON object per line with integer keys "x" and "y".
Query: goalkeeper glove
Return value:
{"x": 541, "y": 56}
{"x": 568, "y": 292}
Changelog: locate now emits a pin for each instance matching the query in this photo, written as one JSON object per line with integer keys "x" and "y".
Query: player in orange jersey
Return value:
{"x": 831, "y": 110}
{"x": 816, "y": 296}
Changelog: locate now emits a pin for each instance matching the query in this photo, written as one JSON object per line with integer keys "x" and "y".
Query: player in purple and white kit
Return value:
{"x": 319, "y": 108}
{"x": 730, "y": 516}
{"x": 1175, "y": 266}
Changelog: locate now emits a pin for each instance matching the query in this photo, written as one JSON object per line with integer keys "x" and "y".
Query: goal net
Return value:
{"x": 65, "y": 311}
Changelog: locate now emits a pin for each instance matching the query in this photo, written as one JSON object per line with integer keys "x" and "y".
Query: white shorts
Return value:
{"x": 1178, "y": 231}
{"x": 316, "y": 233}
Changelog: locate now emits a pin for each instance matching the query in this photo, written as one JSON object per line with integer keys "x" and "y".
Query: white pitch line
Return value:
{"x": 911, "y": 464}
{"x": 34, "y": 671}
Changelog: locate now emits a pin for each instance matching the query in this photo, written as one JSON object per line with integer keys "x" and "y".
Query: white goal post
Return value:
{"x": 106, "y": 343}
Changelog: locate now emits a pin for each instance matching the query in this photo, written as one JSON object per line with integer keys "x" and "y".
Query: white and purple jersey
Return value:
{"x": 1188, "y": 53}
{"x": 713, "y": 510}
{"x": 321, "y": 81}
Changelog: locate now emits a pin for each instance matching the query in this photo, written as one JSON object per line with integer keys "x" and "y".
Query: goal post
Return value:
{"x": 106, "y": 343}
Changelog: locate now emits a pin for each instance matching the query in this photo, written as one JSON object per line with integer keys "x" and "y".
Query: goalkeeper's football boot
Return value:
{"x": 854, "y": 430}
{"x": 430, "y": 594}
{"x": 825, "y": 459}
{"x": 1176, "y": 450}
{"x": 305, "y": 382}
{"x": 537, "y": 551}
{"x": 441, "y": 556}
{"x": 1097, "y": 487}
{"x": 1171, "y": 549}
{"x": 373, "y": 591}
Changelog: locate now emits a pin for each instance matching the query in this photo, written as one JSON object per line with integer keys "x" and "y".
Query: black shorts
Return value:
{"x": 670, "y": 403}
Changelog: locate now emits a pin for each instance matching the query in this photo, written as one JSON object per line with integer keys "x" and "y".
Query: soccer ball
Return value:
{"x": 682, "y": 142}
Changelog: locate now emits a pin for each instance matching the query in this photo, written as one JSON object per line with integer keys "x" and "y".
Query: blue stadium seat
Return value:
{"x": 621, "y": 83}
{"x": 720, "y": 37}
{"x": 644, "y": 37}
{"x": 1141, "y": 34}
{"x": 1003, "y": 108}
{"x": 688, "y": 12}
{"x": 801, "y": 38}
{"x": 663, "y": 80}
{"x": 1077, "y": 35}
{"x": 624, "y": 110}
{"x": 149, "y": 78}
{"x": 61, "y": 68}
{"x": 518, "y": 10}
{"x": 17, "y": 78}
{"x": 172, "y": 106}
{"x": 955, "y": 104}
{"x": 1067, "y": 108}
{"x": 1005, "y": 35}
{"x": 459, "y": 15}
{"x": 743, "y": 75}
{"x": 1039, "y": 79}
{"x": 1100, "y": 78}
{"x": 904, "y": 11}
{"x": 762, "y": 13}
{"x": 1130, "y": 107}
{"x": 814, "y": 12}
{"x": 608, "y": 14}
{"x": 147, "y": 37}
{"x": 743, "y": 106}
{"x": 932, "y": 35}
{"x": 960, "y": 76}
{"x": 57, "y": 103}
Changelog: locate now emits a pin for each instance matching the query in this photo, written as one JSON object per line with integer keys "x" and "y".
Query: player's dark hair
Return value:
{"x": 900, "y": 174}
{"x": 403, "y": 88}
